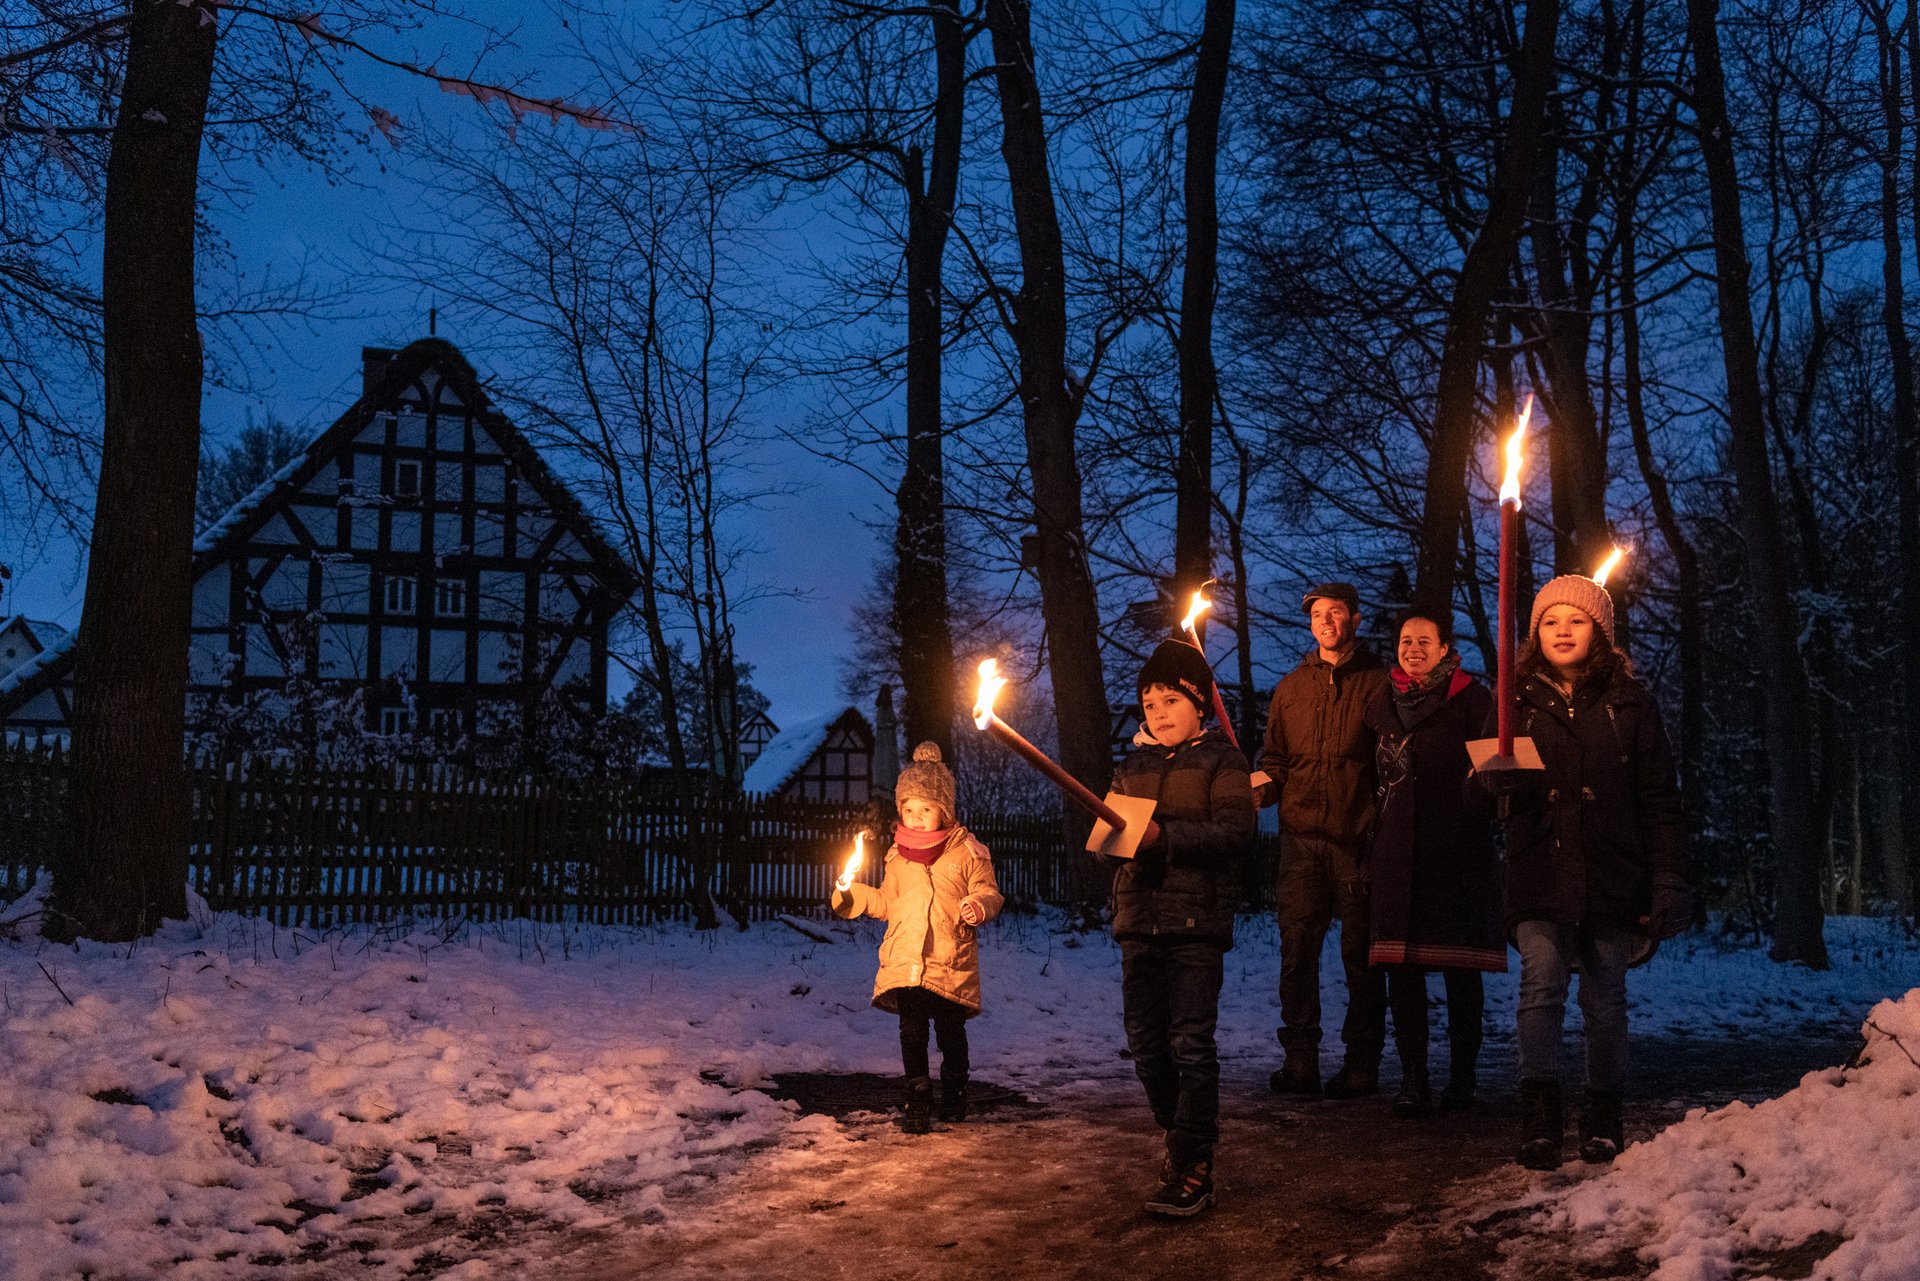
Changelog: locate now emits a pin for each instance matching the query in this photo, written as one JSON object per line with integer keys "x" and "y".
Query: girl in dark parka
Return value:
{"x": 1434, "y": 878}
{"x": 1596, "y": 858}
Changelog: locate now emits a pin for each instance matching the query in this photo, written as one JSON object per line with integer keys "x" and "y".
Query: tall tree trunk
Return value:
{"x": 1199, "y": 380}
{"x": 921, "y": 616}
{"x": 1686, "y": 559}
{"x": 1906, "y": 471}
{"x": 1050, "y": 398}
{"x": 124, "y": 866}
{"x": 1798, "y": 922}
{"x": 1575, "y": 461}
{"x": 1482, "y": 272}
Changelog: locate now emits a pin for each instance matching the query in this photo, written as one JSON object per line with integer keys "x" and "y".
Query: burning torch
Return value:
{"x": 1120, "y": 821}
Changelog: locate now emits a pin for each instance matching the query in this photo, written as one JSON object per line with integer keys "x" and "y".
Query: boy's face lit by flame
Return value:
{"x": 1170, "y": 715}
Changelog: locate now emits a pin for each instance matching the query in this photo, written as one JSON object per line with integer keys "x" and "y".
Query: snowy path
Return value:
{"x": 1307, "y": 1189}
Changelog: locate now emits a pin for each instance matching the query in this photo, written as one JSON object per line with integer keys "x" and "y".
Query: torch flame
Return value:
{"x": 1198, "y": 607}
{"x": 990, "y": 682}
{"x": 854, "y": 860}
{"x": 1612, "y": 563}
{"x": 1516, "y": 449}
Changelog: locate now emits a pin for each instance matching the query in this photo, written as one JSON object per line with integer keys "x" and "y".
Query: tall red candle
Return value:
{"x": 1509, "y": 530}
{"x": 1509, "y": 548}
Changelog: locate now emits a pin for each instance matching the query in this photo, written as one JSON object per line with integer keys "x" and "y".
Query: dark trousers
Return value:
{"x": 1171, "y": 993}
{"x": 918, "y": 1007}
{"x": 1321, "y": 881}
{"x": 1466, "y": 1014}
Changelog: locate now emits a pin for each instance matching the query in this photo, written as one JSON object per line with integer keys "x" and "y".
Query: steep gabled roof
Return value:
{"x": 407, "y": 365}
{"x": 38, "y": 672}
{"x": 788, "y": 752}
{"x": 240, "y": 521}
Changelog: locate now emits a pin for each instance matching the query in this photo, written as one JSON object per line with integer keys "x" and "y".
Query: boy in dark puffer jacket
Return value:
{"x": 1173, "y": 907}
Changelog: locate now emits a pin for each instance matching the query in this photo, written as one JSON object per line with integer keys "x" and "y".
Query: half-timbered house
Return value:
{"x": 418, "y": 552}
{"x": 828, "y": 758}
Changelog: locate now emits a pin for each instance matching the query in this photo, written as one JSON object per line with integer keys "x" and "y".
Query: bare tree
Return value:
{"x": 124, "y": 864}
{"x": 1798, "y": 934}
{"x": 1482, "y": 271}
{"x": 1050, "y": 398}
{"x": 1199, "y": 380}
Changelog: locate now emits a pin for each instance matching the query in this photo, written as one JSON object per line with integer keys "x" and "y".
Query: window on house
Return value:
{"x": 450, "y": 598}
{"x": 396, "y": 720}
{"x": 399, "y": 595}
{"x": 446, "y": 722}
{"x": 406, "y": 478}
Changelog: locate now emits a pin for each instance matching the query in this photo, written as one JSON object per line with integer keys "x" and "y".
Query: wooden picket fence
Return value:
{"x": 315, "y": 846}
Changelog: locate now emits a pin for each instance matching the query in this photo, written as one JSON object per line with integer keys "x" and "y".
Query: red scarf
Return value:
{"x": 920, "y": 847}
{"x": 1407, "y": 689}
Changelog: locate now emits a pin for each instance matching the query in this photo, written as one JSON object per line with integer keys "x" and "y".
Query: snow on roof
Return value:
{"x": 56, "y": 648}
{"x": 210, "y": 536}
{"x": 787, "y": 752}
{"x": 44, "y": 630}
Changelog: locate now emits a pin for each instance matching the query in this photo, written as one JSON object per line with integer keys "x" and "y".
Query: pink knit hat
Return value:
{"x": 1581, "y": 592}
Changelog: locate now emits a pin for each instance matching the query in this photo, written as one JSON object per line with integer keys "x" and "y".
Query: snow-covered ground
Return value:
{"x": 231, "y": 1099}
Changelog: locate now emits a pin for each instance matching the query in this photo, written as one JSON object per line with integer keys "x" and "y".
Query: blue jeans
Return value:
{"x": 1548, "y": 953}
{"x": 1171, "y": 992}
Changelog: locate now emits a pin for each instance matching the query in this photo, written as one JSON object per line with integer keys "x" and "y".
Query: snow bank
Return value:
{"x": 1839, "y": 1155}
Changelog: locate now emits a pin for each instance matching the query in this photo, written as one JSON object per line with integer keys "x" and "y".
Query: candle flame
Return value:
{"x": 990, "y": 683}
{"x": 1516, "y": 450}
{"x": 1199, "y": 606}
{"x": 854, "y": 860}
{"x": 1612, "y": 563}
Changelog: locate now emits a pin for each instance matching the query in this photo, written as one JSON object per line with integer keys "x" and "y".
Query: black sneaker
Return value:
{"x": 1186, "y": 1194}
{"x": 953, "y": 1102}
{"x": 1414, "y": 1102}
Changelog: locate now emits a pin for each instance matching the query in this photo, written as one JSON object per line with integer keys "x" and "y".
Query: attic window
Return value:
{"x": 406, "y": 478}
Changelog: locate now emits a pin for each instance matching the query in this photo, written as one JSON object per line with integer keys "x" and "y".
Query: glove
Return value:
{"x": 1671, "y": 911}
{"x": 1505, "y": 782}
{"x": 970, "y": 913}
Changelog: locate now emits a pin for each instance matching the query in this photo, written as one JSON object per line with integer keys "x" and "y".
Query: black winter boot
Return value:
{"x": 1300, "y": 1074}
{"x": 1542, "y": 1122}
{"x": 1601, "y": 1134}
{"x": 1187, "y": 1193}
{"x": 953, "y": 1101}
{"x": 1415, "y": 1100}
{"x": 1463, "y": 1065}
{"x": 919, "y": 1117}
{"x": 1463, "y": 1084}
{"x": 1358, "y": 1076}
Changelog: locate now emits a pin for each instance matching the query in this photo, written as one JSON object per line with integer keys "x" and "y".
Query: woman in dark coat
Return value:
{"x": 1431, "y": 869}
{"x": 1596, "y": 859}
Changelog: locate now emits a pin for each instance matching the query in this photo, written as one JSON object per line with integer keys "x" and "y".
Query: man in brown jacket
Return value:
{"x": 1319, "y": 756}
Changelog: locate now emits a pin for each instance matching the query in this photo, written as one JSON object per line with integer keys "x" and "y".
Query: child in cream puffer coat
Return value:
{"x": 937, "y": 888}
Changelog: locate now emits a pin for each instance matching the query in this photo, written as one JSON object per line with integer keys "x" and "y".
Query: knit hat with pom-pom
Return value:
{"x": 927, "y": 780}
{"x": 1581, "y": 592}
